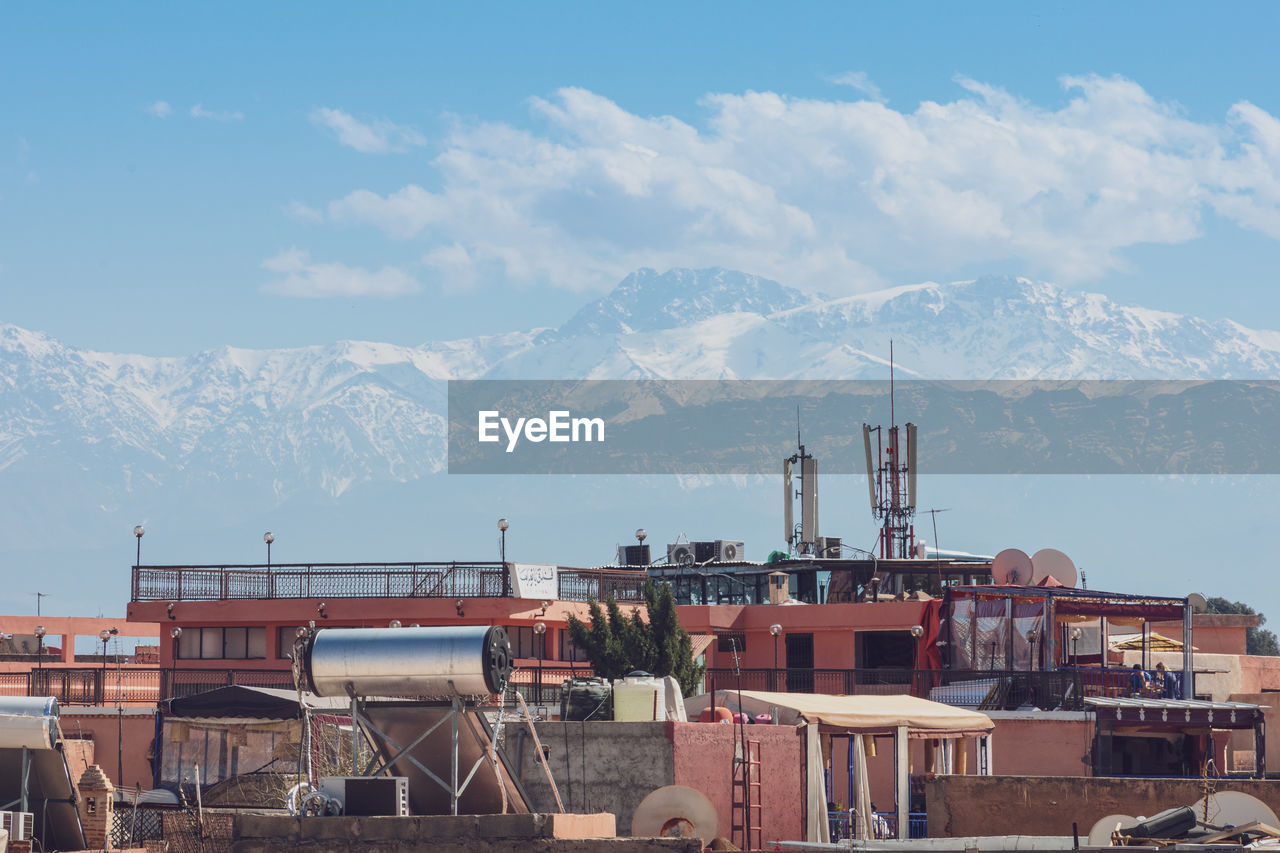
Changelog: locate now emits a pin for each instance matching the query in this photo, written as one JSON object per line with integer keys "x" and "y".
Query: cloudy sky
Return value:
{"x": 172, "y": 180}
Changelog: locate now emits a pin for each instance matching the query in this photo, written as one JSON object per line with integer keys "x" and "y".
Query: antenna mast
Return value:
{"x": 891, "y": 480}
{"x": 801, "y": 537}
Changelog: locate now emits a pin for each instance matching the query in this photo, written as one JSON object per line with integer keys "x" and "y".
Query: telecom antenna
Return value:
{"x": 891, "y": 480}
{"x": 801, "y": 538}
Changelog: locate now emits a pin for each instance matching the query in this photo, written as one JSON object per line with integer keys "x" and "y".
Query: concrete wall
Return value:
{"x": 627, "y": 761}
{"x": 1240, "y": 751}
{"x": 1026, "y": 805}
{"x": 275, "y": 833}
{"x": 623, "y": 763}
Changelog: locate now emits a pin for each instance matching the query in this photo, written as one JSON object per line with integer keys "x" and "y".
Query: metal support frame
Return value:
{"x": 360, "y": 723}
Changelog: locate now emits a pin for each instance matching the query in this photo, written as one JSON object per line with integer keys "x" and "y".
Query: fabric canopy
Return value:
{"x": 855, "y": 714}
{"x": 239, "y": 701}
{"x": 1156, "y": 642}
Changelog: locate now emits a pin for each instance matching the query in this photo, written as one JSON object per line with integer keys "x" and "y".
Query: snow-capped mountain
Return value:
{"x": 265, "y": 425}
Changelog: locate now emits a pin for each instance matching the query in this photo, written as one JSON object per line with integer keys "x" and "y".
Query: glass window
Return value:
{"x": 235, "y": 643}
{"x": 210, "y": 642}
{"x": 257, "y": 642}
{"x": 568, "y": 651}
{"x": 189, "y": 644}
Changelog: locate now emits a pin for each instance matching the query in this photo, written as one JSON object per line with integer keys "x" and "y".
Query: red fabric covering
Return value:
{"x": 928, "y": 653}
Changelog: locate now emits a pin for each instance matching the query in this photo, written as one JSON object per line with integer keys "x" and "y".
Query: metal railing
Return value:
{"x": 988, "y": 690}
{"x": 883, "y": 825}
{"x": 368, "y": 580}
{"x": 132, "y": 686}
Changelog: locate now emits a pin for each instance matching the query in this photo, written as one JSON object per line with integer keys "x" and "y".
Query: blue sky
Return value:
{"x": 174, "y": 178}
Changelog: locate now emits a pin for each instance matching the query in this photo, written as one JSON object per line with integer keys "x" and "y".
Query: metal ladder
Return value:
{"x": 748, "y": 808}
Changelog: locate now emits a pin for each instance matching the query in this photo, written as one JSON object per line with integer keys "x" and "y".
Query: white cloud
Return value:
{"x": 860, "y": 81}
{"x": 827, "y": 193}
{"x": 198, "y": 111}
{"x": 302, "y": 278}
{"x": 304, "y": 212}
{"x": 379, "y": 137}
{"x": 159, "y": 109}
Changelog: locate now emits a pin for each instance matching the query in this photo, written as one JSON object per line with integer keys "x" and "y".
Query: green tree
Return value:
{"x": 1257, "y": 641}
{"x": 616, "y": 644}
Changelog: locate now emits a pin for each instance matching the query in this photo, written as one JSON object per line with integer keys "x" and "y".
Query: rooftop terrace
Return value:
{"x": 369, "y": 580}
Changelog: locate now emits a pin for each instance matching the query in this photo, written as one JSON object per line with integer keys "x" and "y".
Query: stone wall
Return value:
{"x": 1047, "y": 805}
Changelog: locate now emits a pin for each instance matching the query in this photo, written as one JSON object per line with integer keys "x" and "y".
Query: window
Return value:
{"x": 727, "y": 641}
{"x": 524, "y": 642}
{"x": 222, "y": 643}
{"x": 568, "y": 651}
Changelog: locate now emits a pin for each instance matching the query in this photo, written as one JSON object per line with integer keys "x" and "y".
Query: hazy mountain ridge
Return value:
{"x": 329, "y": 417}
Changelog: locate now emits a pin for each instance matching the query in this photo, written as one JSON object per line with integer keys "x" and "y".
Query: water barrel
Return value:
{"x": 584, "y": 699}
{"x": 638, "y": 698}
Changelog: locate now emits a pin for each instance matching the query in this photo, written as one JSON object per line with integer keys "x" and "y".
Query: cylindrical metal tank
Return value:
{"x": 29, "y": 706}
{"x": 408, "y": 661}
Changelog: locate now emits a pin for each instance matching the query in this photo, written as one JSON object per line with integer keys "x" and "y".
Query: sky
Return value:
{"x": 177, "y": 178}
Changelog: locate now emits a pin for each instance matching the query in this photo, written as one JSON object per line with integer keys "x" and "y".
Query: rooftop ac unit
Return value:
{"x": 19, "y": 825}
{"x": 704, "y": 552}
{"x": 728, "y": 551}
{"x": 828, "y": 547}
{"x": 369, "y": 795}
{"x": 633, "y": 555}
{"x": 681, "y": 554}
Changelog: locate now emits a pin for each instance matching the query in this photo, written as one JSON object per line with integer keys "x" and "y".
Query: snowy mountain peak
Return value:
{"x": 648, "y": 301}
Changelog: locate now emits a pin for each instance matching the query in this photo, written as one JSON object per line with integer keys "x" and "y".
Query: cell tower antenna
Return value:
{"x": 891, "y": 478}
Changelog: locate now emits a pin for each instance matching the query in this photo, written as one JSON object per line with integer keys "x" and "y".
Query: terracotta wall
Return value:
{"x": 136, "y": 728}
{"x": 1024, "y": 805}
{"x": 703, "y": 760}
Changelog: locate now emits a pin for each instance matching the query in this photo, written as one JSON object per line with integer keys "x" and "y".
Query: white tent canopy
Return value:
{"x": 903, "y": 717}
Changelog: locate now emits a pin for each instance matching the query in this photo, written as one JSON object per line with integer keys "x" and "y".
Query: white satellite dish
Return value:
{"x": 1233, "y": 808}
{"x": 1100, "y": 835}
{"x": 1197, "y": 602}
{"x": 1050, "y": 562}
{"x": 1011, "y": 566}
{"x": 675, "y": 812}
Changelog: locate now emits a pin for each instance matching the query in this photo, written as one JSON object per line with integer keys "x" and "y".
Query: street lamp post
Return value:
{"x": 176, "y": 633}
{"x": 539, "y": 643}
{"x": 40, "y": 632}
{"x": 268, "y": 537}
{"x": 503, "y": 524}
{"x": 775, "y": 629}
{"x": 104, "y": 635}
{"x": 1075, "y": 646}
{"x": 1031, "y": 638}
{"x": 138, "y": 530}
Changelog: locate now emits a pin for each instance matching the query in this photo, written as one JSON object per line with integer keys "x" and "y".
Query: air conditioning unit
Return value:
{"x": 19, "y": 825}
{"x": 828, "y": 547}
{"x": 633, "y": 555}
{"x": 704, "y": 552}
{"x": 681, "y": 554}
{"x": 369, "y": 795}
{"x": 728, "y": 551}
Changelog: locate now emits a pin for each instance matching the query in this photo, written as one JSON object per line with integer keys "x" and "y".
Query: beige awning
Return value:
{"x": 700, "y": 643}
{"x": 859, "y": 714}
{"x": 1156, "y": 642}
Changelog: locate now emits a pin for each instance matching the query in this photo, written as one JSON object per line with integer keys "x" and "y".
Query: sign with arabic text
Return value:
{"x": 534, "y": 580}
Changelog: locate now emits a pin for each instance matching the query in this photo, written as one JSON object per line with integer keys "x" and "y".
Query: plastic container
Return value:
{"x": 584, "y": 699}
{"x": 638, "y": 698}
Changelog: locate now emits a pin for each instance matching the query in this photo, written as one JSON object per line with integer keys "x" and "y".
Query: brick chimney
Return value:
{"x": 96, "y": 807}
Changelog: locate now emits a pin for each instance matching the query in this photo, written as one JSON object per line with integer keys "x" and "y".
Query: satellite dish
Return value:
{"x": 1011, "y": 566}
{"x": 675, "y": 812}
{"x": 1233, "y": 808}
{"x": 1100, "y": 835}
{"x": 1198, "y": 603}
{"x": 1050, "y": 562}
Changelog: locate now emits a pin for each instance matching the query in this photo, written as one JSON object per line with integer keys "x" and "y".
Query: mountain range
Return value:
{"x": 89, "y": 436}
